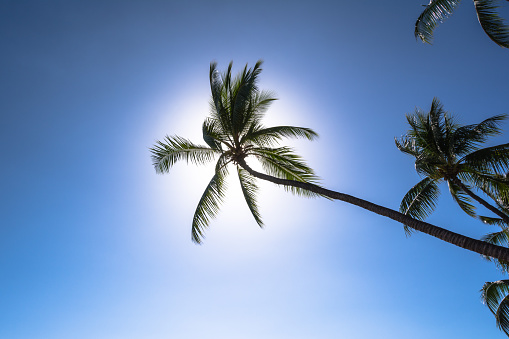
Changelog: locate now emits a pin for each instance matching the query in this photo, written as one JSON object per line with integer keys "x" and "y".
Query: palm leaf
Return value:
{"x": 489, "y": 159}
{"x": 420, "y": 201}
{"x": 212, "y": 134}
{"x": 249, "y": 189}
{"x": 492, "y": 24}
{"x": 435, "y": 13}
{"x": 493, "y": 221}
{"x": 172, "y": 149}
{"x": 269, "y": 136}
{"x": 283, "y": 163}
{"x": 462, "y": 199}
{"x": 243, "y": 89}
{"x": 210, "y": 201}
{"x": 467, "y": 138}
{"x": 495, "y": 296}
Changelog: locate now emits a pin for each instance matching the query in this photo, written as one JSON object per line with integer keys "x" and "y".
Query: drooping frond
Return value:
{"x": 172, "y": 149}
{"x": 468, "y": 138}
{"x": 493, "y": 221}
{"x": 462, "y": 199}
{"x": 249, "y": 190}
{"x": 271, "y": 135}
{"x": 407, "y": 145}
{"x": 213, "y": 135}
{"x": 210, "y": 201}
{"x": 283, "y": 163}
{"x": 492, "y": 24}
{"x": 435, "y": 13}
{"x": 493, "y": 185}
{"x": 495, "y": 296}
{"x": 490, "y": 159}
{"x": 420, "y": 201}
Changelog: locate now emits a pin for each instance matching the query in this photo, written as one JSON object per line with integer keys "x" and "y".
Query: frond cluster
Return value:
{"x": 438, "y": 10}
{"x": 234, "y": 131}
{"x": 446, "y": 151}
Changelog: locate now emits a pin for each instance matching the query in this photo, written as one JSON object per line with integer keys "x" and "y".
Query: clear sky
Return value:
{"x": 94, "y": 244}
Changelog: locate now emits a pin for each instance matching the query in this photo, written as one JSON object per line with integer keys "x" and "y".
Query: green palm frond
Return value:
{"x": 495, "y": 296}
{"x": 493, "y": 221}
{"x": 435, "y": 13}
{"x": 172, "y": 149}
{"x": 462, "y": 199}
{"x": 249, "y": 189}
{"x": 212, "y": 134}
{"x": 420, "y": 200}
{"x": 283, "y": 163}
{"x": 210, "y": 201}
{"x": 436, "y": 122}
{"x": 269, "y": 136}
{"x": 493, "y": 185}
{"x": 490, "y": 159}
{"x": 500, "y": 238}
{"x": 218, "y": 103}
{"x": 468, "y": 138}
{"x": 241, "y": 93}
{"x": 407, "y": 145}
{"x": 492, "y": 24}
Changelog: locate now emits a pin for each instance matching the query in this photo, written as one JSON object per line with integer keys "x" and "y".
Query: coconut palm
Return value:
{"x": 234, "y": 132}
{"x": 495, "y": 295}
{"x": 447, "y": 152}
{"x": 439, "y": 10}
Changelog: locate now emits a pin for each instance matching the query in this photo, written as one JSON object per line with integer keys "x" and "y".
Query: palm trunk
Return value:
{"x": 480, "y": 200}
{"x": 465, "y": 242}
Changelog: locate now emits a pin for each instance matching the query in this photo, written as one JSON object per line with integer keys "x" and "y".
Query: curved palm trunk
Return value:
{"x": 480, "y": 200}
{"x": 465, "y": 242}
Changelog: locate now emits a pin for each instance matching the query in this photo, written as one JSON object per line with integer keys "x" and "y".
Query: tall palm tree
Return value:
{"x": 439, "y": 10}
{"x": 447, "y": 152}
{"x": 234, "y": 132}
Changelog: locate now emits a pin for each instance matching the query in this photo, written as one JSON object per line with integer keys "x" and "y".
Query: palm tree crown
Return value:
{"x": 232, "y": 132}
{"x": 439, "y": 10}
{"x": 445, "y": 151}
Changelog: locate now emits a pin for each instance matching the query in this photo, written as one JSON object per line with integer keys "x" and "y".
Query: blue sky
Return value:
{"x": 94, "y": 244}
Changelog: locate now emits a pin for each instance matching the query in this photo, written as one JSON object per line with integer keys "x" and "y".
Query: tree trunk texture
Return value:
{"x": 462, "y": 241}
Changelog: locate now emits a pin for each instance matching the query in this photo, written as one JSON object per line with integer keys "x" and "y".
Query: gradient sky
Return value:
{"x": 94, "y": 244}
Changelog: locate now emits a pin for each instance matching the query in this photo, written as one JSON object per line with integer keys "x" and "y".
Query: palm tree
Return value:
{"x": 447, "y": 152}
{"x": 439, "y": 10}
{"x": 234, "y": 132}
{"x": 495, "y": 295}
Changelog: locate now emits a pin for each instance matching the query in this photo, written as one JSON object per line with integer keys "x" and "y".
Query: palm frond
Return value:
{"x": 489, "y": 159}
{"x": 269, "y": 136}
{"x": 283, "y": 163}
{"x": 500, "y": 238}
{"x": 172, "y": 149}
{"x": 243, "y": 89}
{"x": 407, "y": 145}
{"x": 495, "y": 296}
{"x": 210, "y": 201}
{"x": 468, "y": 138}
{"x": 462, "y": 199}
{"x": 434, "y": 13}
{"x": 219, "y": 109}
{"x": 211, "y": 134}
{"x": 493, "y": 185}
{"x": 493, "y": 221}
{"x": 492, "y": 24}
{"x": 420, "y": 201}
{"x": 250, "y": 189}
